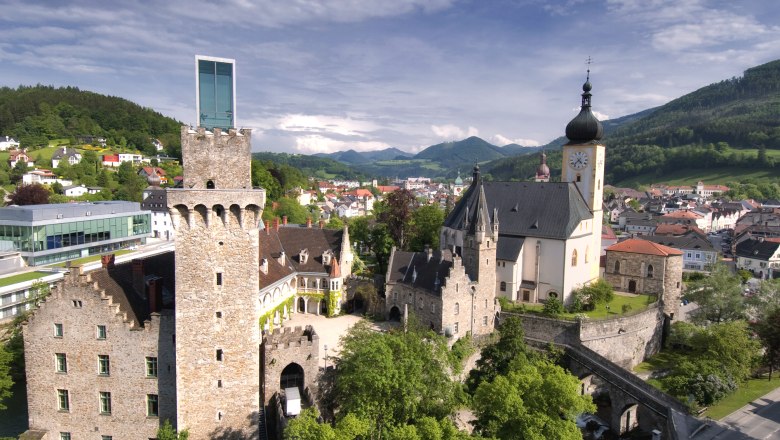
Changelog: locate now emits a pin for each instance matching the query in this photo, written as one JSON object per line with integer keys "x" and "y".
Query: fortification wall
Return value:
{"x": 288, "y": 346}
{"x": 625, "y": 340}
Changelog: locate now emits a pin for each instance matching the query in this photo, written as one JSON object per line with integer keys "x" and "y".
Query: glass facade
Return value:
{"x": 215, "y": 94}
{"x": 76, "y": 239}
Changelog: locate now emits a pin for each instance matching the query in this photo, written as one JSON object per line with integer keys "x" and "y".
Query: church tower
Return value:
{"x": 479, "y": 243}
{"x": 583, "y": 164}
{"x": 216, "y": 215}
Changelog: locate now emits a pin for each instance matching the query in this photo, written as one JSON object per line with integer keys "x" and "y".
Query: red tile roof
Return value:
{"x": 683, "y": 214}
{"x": 637, "y": 246}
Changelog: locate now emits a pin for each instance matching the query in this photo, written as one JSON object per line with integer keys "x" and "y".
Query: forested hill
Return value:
{"x": 745, "y": 112}
{"x": 36, "y": 115}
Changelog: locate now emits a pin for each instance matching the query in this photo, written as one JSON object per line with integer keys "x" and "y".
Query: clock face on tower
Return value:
{"x": 578, "y": 160}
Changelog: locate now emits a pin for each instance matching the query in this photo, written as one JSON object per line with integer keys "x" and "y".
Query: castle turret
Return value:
{"x": 216, "y": 215}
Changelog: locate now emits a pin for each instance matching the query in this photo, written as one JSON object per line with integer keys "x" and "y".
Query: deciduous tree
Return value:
{"x": 400, "y": 205}
{"x": 719, "y": 296}
{"x": 33, "y": 194}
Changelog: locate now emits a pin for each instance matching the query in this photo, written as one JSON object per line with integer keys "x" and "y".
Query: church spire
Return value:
{"x": 585, "y": 128}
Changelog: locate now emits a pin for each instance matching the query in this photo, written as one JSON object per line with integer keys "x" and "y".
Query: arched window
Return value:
{"x": 503, "y": 286}
{"x": 587, "y": 251}
{"x": 574, "y": 257}
{"x": 210, "y": 184}
{"x": 617, "y": 266}
{"x": 552, "y": 294}
{"x": 457, "y": 308}
{"x": 649, "y": 270}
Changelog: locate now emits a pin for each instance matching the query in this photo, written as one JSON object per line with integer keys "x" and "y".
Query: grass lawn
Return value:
{"x": 635, "y": 303}
{"x": 7, "y": 281}
{"x": 752, "y": 390}
{"x": 709, "y": 176}
{"x": 91, "y": 258}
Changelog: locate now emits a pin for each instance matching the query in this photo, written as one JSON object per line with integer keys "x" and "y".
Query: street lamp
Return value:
{"x": 326, "y": 357}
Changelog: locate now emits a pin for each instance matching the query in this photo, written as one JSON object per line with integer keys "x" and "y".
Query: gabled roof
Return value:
{"x": 637, "y": 246}
{"x": 758, "y": 249}
{"x": 536, "y": 209}
{"x": 292, "y": 240}
{"x": 416, "y": 269}
{"x": 690, "y": 241}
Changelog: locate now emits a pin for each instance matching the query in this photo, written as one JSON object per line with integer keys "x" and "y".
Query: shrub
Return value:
{"x": 553, "y": 307}
{"x": 626, "y": 308}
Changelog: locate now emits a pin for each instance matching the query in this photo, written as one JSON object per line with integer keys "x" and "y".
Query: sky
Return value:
{"x": 330, "y": 75}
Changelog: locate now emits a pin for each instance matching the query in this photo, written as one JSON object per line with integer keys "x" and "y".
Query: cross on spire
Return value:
{"x": 589, "y": 61}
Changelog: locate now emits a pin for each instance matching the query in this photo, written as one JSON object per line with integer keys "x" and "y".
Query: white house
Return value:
{"x": 8, "y": 143}
{"x": 760, "y": 256}
{"x": 67, "y": 154}
{"x": 44, "y": 177}
{"x": 75, "y": 190}
{"x": 135, "y": 159}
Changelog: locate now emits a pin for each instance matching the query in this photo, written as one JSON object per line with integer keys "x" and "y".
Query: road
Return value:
{"x": 760, "y": 419}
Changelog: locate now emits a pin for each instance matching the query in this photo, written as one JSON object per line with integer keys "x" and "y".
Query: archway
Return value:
{"x": 302, "y": 305}
{"x": 292, "y": 376}
{"x": 323, "y": 307}
{"x": 210, "y": 184}
{"x": 632, "y": 286}
{"x": 395, "y": 314}
{"x": 628, "y": 418}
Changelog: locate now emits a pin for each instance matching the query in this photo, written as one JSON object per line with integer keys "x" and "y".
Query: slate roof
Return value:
{"x": 690, "y": 241}
{"x": 416, "y": 269}
{"x": 509, "y": 248}
{"x": 637, "y": 246}
{"x": 536, "y": 209}
{"x": 758, "y": 249}
{"x": 118, "y": 282}
{"x": 291, "y": 240}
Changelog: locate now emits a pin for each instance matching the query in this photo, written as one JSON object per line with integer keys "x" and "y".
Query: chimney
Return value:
{"x": 282, "y": 259}
{"x": 276, "y": 223}
{"x": 322, "y": 224}
{"x": 284, "y": 220}
{"x": 107, "y": 261}
{"x": 267, "y": 226}
{"x": 308, "y": 222}
{"x": 138, "y": 277}
{"x": 154, "y": 293}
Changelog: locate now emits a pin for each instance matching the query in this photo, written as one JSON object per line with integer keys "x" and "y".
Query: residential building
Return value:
{"x": 67, "y": 154}
{"x": 760, "y": 256}
{"x": 15, "y": 156}
{"x": 92, "y": 140}
{"x": 697, "y": 252}
{"x": 75, "y": 190}
{"x": 157, "y": 171}
{"x": 8, "y": 143}
{"x": 111, "y": 160}
{"x": 135, "y": 159}
{"x": 155, "y": 200}
{"x": 44, "y": 177}
{"x": 53, "y": 233}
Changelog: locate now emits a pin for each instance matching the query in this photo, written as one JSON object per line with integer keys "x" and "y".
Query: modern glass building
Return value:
{"x": 46, "y": 234}
{"x": 215, "y": 82}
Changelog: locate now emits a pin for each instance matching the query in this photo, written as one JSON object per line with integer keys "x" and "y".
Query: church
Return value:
{"x": 549, "y": 233}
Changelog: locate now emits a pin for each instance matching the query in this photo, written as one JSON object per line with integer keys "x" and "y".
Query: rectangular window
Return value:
{"x": 104, "y": 368}
{"x": 106, "y": 437}
{"x": 484, "y": 321}
{"x": 455, "y": 329}
{"x": 101, "y": 332}
{"x": 58, "y": 330}
{"x": 76, "y": 303}
{"x": 105, "y": 402}
{"x": 219, "y": 278}
{"x": 151, "y": 366}
{"x": 63, "y": 400}
{"x": 152, "y": 409}
{"x": 64, "y": 436}
{"x": 219, "y": 354}
{"x": 61, "y": 362}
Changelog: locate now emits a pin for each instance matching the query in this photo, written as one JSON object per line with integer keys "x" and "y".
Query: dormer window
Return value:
{"x": 303, "y": 256}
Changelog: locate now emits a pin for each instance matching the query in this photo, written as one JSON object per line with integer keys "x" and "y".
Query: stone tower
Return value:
{"x": 216, "y": 216}
{"x": 479, "y": 260}
{"x": 583, "y": 164}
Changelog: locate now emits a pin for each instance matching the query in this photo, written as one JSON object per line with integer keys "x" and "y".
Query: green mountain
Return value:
{"x": 454, "y": 154}
{"x": 314, "y": 166}
{"x": 361, "y": 157}
{"x": 39, "y": 114}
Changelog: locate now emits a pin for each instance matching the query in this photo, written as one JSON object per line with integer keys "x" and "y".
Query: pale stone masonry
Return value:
{"x": 295, "y": 350}
{"x": 216, "y": 216}
{"x": 104, "y": 314}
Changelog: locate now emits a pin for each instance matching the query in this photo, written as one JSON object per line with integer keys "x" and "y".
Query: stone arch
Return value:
{"x": 254, "y": 214}
{"x": 277, "y": 293}
{"x": 218, "y": 211}
{"x": 210, "y": 184}
{"x": 267, "y": 300}
{"x": 292, "y": 376}
{"x": 632, "y": 286}
{"x": 552, "y": 294}
{"x": 649, "y": 271}
{"x": 395, "y": 314}
{"x": 629, "y": 418}
{"x": 200, "y": 214}
{"x": 301, "y": 304}
{"x": 312, "y": 306}
{"x": 323, "y": 307}
{"x": 617, "y": 266}
{"x": 235, "y": 214}
{"x": 180, "y": 212}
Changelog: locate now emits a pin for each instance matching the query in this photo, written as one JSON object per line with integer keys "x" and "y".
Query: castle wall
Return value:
{"x": 626, "y": 340}
{"x": 208, "y": 155}
{"x": 633, "y": 267}
{"x": 127, "y": 348}
{"x": 673, "y": 284}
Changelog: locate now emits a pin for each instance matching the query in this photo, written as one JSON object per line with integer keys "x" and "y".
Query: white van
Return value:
{"x": 292, "y": 401}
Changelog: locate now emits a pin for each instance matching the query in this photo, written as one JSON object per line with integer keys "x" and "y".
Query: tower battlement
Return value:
{"x": 216, "y": 159}
{"x": 287, "y": 337}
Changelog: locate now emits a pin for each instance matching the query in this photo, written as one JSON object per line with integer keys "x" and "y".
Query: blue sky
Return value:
{"x": 321, "y": 76}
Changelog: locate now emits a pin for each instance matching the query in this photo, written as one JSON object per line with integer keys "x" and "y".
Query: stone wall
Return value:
{"x": 547, "y": 329}
{"x": 287, "y": 346}
{"x": 625, "y": 340}
{"x": 127, "y": 347}
{"x": 673, "y": 285}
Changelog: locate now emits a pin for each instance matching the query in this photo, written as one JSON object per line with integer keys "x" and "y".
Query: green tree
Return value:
{"x": 292, "y": 209}
{"x": 381, "y": 243}
{"x": 359, "y": 229}
{"x": 598, "y": 292}
{"x": 166, "y": 432}
{"x": 400, "y": 205}
{"x": 768, "y": 330}
{"x": 6, "y": 382}
{"x": 33, "y": 194}
{"x": 393, "y": 379}
{"x": 718, "y": 296}
{"x": 765, "y": 300}
{"x": 426, "y": 223}
{"x": 495, "y": 358}
{"x": 535, "y": 400}
{"x": 335, "y": 223}
{"x": 19, "y": 169}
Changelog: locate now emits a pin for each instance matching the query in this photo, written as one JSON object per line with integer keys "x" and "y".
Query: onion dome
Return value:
{"x": 458, "y": 180}
{"x": 584, "y": 127}
{"x": 153, "y": 179}
{"x": 543, "y": 169}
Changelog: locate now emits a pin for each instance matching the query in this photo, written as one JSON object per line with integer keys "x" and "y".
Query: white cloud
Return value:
{"x": 453, "y": 132}
{"x": 600, "y": 116}
{"x": 344, "y": 126}
{"x": 314, "y": 143}
{"x": 502, "y": 140}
